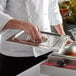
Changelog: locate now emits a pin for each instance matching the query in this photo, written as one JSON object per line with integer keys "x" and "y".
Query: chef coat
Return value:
{"x": 42, "y": 13}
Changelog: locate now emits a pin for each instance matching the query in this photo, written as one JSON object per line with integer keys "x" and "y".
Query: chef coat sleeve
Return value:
{"x": 55, "y": 17}
{"x": 4, "y": 18}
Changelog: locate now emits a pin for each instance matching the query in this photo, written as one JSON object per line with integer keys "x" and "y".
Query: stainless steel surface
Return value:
{"x": 54, "y": 41}
{"x": 56, "y": 71}
{"x": 24, "y": 36}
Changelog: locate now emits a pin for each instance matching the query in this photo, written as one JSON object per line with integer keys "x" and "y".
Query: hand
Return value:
{"x": 69, "y": 41}
{"x": 33, "y": 31}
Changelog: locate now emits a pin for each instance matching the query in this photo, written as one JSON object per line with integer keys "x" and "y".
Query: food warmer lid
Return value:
{"x": 52, "y": 42}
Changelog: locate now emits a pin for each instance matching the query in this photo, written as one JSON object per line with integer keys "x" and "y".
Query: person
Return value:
{"x": 31, "y": 16}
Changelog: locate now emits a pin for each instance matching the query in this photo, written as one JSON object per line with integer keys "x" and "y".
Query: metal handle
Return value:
{"x": 50, "y": 33}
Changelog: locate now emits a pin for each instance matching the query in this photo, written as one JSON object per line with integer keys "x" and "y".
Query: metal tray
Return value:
{"x": 54, "y": 41}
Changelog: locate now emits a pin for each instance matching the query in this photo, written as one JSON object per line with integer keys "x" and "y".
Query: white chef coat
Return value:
{"x": 43, "y": 13}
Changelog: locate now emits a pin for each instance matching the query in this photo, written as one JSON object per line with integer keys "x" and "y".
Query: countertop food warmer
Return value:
{"x": 61, "y": 63}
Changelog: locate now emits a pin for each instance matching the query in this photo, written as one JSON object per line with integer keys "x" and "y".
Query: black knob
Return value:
{"x": 60, "y": 63}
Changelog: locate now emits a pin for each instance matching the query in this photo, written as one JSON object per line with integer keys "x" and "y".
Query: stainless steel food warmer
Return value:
{"x": 62, "y": 62}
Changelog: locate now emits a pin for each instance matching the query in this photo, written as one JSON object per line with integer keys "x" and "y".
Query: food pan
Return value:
{"x": 50, "y": 41}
